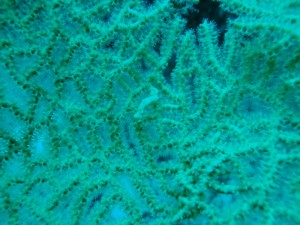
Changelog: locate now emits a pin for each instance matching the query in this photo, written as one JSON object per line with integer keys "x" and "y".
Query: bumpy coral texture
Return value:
{"x": 114, "y": 112}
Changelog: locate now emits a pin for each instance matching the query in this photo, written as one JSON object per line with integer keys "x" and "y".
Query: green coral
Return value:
{"x": 112, "y": 112}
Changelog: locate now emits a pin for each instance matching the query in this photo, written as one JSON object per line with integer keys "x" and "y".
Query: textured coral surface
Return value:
{"x": 174, "y": 112}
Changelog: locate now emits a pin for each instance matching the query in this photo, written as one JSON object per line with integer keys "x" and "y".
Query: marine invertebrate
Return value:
{"x": 115, "y": 112}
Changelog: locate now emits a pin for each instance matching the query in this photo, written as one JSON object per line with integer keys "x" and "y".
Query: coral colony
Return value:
{"x": 155, "y": 112}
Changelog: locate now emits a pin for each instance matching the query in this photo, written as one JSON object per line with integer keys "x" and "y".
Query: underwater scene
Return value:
{"x": 155, "y": 112}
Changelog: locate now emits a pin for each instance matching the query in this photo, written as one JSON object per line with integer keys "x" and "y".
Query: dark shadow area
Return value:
{"x": 164, "y": 158}
{"x": 131, "y": 145}
{"x": 169, "y": 69}
{"x": 210, "y": 10}
{"x": 94, "y": 201}
{"x": 148, "y": 3}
